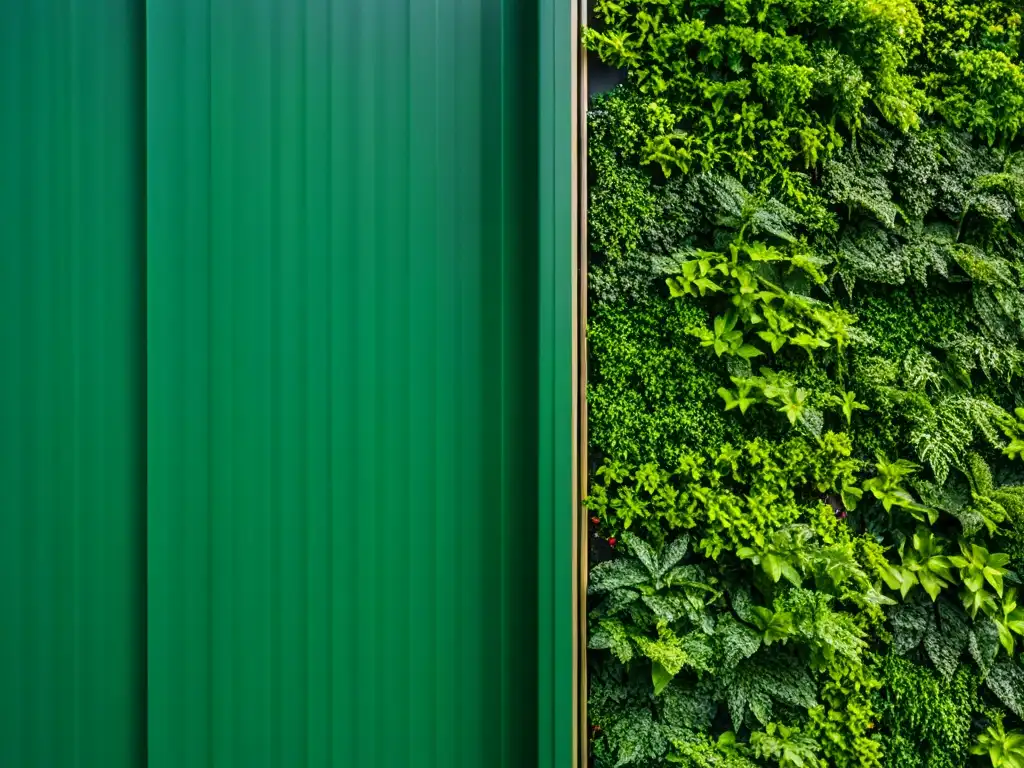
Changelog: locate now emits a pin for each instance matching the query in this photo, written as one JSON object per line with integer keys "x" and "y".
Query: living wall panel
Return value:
{"x": 72, "y": 386}
{"x": 343, "y": 386}
{"x": 805, "y": 227}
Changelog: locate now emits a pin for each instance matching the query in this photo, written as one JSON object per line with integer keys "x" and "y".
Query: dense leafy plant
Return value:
{"x": 806, "y": 353}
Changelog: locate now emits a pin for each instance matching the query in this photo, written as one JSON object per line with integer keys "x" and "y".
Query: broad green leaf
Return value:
{"x": 643, "y": 552}
{"x": 983, "y": 644}
{"x": 674, "y": 551}
{"x": 661, "y": 677}
{"x": 615, "y": 574}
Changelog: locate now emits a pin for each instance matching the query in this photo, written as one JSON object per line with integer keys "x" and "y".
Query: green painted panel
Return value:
{"x": 557, "y": 667}
{"x": 72, "y": 387}
{"x": 344, "y": 478}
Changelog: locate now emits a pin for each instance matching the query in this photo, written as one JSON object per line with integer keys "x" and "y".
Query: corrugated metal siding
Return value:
{"x": 343, "y": 386}
{"x": 557, "y": 638}
{"x": 72, "y": 366}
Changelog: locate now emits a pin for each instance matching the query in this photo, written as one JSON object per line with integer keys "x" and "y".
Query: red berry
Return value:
{"x": 611, "y": 541}
{"x": 595, "y": 520}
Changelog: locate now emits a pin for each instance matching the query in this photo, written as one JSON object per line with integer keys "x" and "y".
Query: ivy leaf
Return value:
{"x": 981, "y": 600}
{"x": 706, "y": 285}
{"x": 1005, "y": 637}
{"x": 932, "y": 584}
{"x": 776, "y": 340}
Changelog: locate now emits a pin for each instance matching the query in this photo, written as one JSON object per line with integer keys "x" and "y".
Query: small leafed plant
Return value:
{"x": 1005, "y": 750}
{"x": 806, "y": 327}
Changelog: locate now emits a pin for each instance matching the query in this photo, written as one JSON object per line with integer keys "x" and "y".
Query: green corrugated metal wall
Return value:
{"x": 353, "y": 403}
{"x": 72, "y": 387}
{"x": 557, "y": 30}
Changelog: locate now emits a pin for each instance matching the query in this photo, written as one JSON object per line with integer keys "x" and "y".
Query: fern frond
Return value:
{"x": 971, "y": 351}
{"x": 942, "y": 438}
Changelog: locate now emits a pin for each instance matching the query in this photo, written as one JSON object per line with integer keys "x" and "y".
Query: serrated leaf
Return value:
{"x": 643, "y": 552}
{"x": 945, "y": 641}
{"x": 611, "y": 635}
{"x": 668, "y": 607}
{"x": 1006, "y": 681}
{"x": 618, "y": 599}
{"x": 758, "y": 680}
{"x": 674, "y": 552}
{"x": 735, "y": 641}
{"x": 983, "y": 644}
{"x": 690, "y": 710}
{"x": 698, "y": 650}
{"x": 909, "y": 623}
{"x": 637, "y": 738}
{"x": 744, "y": 606}
{"x": 615, "y": 574}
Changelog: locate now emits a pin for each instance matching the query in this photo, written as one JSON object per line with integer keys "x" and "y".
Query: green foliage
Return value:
{"x": 806, "y": 412}
{"x": 649, "y": 392}
{"x": 925, "y": 718}
{"x": 787, "y": 746}
{"x": 765, "y": 496}
{"x": 924, "y": 564}
{"x": 1006, "y": 681}
{"x": 972, "y": 53}
{"x": 622, "y": 202}
{"x": 749, "y": 84}
{"x": 1005, "y": 750}
{"x": 646, "y": 596}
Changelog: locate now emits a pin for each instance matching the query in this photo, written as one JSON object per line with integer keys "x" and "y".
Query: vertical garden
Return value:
{"x": 806, "y": 353}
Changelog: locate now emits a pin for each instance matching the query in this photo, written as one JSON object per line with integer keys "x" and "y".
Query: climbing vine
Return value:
{"x": 806, "y": 348}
